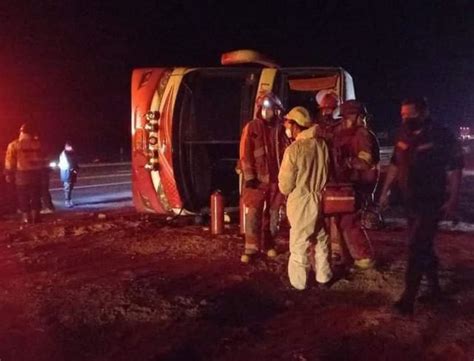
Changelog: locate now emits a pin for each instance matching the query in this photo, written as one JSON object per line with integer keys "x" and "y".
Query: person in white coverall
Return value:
{"x": 302, "y": 177}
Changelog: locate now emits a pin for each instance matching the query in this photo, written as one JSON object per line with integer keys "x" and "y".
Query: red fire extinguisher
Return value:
{"x": 217, "y": 212}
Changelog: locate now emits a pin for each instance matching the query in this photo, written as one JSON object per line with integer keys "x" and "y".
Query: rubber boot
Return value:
{"x": 405, "y": 305}
{"x": 364, "y": 264}
{"x": 434, "y": 293}
{"x": 248, "y": 256}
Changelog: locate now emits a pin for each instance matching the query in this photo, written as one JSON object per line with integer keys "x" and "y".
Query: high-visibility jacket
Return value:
{"x": 261, "y": 150}
{"x": 24, "y": 159}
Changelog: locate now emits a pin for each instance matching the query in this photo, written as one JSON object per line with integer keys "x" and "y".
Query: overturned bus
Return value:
{"x": 186, "y": 125}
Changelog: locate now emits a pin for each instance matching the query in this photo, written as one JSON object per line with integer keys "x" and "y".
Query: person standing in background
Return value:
{"x": 23, "y": 164}
{"x": 427, "y": 165}
{"x": 69, "y": 167}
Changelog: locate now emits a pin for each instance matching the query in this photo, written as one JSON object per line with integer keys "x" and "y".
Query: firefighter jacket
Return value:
{"x": 261, "y": 150}
{"x": 24, "y": 159}
{"x": 353, "y": 145}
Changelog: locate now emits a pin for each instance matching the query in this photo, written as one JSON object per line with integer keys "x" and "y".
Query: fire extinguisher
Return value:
{"x": 217, "y": 212}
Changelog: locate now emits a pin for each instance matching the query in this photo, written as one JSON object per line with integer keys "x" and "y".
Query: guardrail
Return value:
{"x": 97, "y": 165}
{"x": 385, "y": 155}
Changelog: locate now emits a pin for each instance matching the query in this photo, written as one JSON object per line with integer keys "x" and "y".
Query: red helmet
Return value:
{"x": 353, "y": 107}
{"x": 327, "y": 99}
{"x": 269, "y": 100}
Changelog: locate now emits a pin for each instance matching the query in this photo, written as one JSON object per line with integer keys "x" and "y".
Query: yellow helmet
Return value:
{"x": 300, "y": 116}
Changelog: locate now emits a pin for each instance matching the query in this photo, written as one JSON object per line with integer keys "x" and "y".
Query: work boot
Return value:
{"x": 248, "y": 256}
{"x": 324, "y": 286}
{"x": 47, "y": 211}
{"x": 364, "y": 264}
{"x": 432, "y": 296}
{"x": 404, "y": 307}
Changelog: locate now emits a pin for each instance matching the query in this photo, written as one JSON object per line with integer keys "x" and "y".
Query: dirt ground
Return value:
{"x": 134, "y": 287}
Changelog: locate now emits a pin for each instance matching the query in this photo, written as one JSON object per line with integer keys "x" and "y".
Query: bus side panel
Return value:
{"x": 144, "y": 85}
{"x": 168, "y": 190}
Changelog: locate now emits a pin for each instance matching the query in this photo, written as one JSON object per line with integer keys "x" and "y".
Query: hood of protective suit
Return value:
{"x": 307, "y": 133}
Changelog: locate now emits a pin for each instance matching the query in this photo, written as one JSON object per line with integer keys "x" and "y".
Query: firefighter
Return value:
{"x": 23, "y": 165}
{"x": 356, "y": 161}
{"x": 427, "y": 164}
{"x": 371, "y": 217}
{"x": 261, "y": 148}
{"x": 326, "y": 127}
{"x": 328, "y": 103}
{"x": 302, "y": 176}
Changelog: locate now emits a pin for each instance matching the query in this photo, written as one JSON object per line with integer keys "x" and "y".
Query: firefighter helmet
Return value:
{"x": 352, "y": 107}
{"x": 327, "y": 99}
{"x": 269, "y": 100}
{"x": 300, "y": 116}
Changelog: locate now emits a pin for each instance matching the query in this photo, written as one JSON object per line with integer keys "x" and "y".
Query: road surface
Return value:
{"x": 98, "y": 186}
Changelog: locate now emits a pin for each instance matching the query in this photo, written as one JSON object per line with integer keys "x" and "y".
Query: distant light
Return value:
{"x": 53, "y": 164}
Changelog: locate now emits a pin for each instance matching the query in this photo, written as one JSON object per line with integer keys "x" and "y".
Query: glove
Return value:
{"x": 253, "y": 183}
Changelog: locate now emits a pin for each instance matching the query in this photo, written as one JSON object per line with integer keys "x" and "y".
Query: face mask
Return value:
{"x": 288, "y": 133}
{"x": 267, "y": 113}
{"x": 413, "y": 124}
{"x": 347, "y": 123}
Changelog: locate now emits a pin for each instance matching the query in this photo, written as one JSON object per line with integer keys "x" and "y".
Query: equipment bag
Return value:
{"x": 339, "y": 198}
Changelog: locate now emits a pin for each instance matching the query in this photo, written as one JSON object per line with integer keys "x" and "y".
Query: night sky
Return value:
{"x": 66, "y": 65}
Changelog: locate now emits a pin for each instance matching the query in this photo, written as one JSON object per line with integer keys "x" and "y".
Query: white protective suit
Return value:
{"x": 303, "y": 175}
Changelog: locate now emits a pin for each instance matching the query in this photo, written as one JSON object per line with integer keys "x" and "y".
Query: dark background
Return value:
{"x": 66, "y": 65}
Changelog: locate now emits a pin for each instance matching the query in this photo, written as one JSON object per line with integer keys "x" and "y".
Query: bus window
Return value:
{"x": 302, "y": 85}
